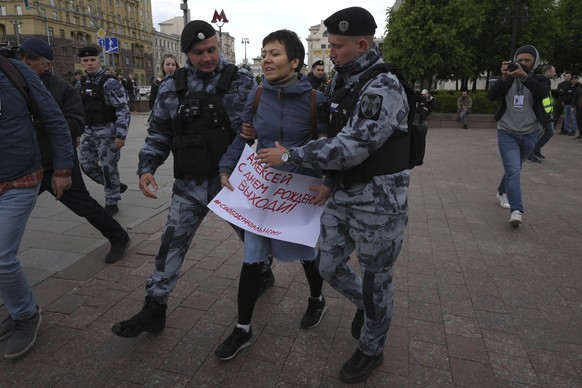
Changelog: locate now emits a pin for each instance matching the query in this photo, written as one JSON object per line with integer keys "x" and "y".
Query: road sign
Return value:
{"x": 110, "y": 44}
{"x": 101, "y": 33}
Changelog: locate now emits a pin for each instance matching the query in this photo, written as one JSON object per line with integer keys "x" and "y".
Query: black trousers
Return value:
{"x": 422, "y": 115}
{"x": 78, "y": 199}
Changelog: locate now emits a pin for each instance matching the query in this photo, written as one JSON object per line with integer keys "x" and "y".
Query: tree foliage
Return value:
{"x": 566, "y": 50}
{"x": 457, "y": 39}
{"x": 429, "y": 38}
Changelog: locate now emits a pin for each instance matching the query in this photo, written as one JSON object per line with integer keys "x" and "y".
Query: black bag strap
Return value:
{"x": 226, "y": 76}
{"x": 390, "y": 68}
{"x": 181, "y": 79}
{"x": 19, "y": 82}
{"x": 225, "y": 79}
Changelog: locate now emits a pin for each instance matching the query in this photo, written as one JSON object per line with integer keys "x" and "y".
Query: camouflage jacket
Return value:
{"x": 114, "y": 96}
{"x": 158, "y": 143}
{"x": 362, "y": 135}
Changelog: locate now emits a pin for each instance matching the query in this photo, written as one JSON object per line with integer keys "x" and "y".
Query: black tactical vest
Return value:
{"x": 201, "y": 127}
{"x": 96, "y": 110}
{"x": 392, "y": 157}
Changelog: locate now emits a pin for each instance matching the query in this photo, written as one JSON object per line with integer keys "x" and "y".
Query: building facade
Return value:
{"x": 68, "y": 25}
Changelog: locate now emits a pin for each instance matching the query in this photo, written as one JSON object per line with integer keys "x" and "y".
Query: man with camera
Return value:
{"x": 519, "y": 119}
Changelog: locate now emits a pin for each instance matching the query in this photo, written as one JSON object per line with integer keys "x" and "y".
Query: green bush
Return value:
{"x": 446, "y": 102}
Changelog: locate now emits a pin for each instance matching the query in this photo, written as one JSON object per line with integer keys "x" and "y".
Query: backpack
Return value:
{"x": 313, "y": 109}
{"x": 417, "y": 132}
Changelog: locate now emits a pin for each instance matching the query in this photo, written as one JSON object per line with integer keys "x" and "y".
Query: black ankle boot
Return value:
{"x": 151, "y": 318}
{"x": 359, "y": 367}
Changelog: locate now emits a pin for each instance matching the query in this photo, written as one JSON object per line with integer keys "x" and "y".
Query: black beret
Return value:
{"x": 88, "y": 51}
{"x": 353, "y": 21}
{"x": 35, "y": 48}
{"x": 317, "y": 63}
{"x": 194, "y": 32}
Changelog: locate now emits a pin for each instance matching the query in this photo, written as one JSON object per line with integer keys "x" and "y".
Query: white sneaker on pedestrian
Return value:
{"x": 503, "y": 202}
{"x": 515, "y": 218}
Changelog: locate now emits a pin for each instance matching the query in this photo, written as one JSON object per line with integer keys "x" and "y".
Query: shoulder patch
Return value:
{"x": 370, "y": 106}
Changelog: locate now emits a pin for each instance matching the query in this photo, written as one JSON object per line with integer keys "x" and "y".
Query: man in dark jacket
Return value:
{"x": 519, "y": 120}
{"x": 20, "y": 176}
{"x": 562, "y": 90}
{"x": 38, "y": 56}
{"x": 317, "y": 76}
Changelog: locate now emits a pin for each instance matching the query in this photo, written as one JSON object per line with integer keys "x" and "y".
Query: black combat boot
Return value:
{"x": 151, "y": 318}
{"x": 359, "y": 367}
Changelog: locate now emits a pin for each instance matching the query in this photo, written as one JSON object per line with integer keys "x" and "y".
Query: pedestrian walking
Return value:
{"x": 38, "y": 55}
{"x": 519, "y": 119}
{"x": 20, "y": 176}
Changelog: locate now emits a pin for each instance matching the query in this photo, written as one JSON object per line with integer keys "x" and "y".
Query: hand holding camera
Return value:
{"x": 512, "y": 66}
{"x": 512, "y": 69}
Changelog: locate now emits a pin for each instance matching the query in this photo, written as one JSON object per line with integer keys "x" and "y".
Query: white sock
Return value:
{"x": 319, "y": 298}
{"x": 244, "y": 327}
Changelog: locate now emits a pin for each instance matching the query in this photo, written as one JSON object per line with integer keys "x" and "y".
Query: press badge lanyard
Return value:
{"x": 518, "y": 97}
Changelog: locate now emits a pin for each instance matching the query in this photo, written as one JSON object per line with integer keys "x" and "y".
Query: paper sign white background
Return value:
{"x": 270, "y": 202}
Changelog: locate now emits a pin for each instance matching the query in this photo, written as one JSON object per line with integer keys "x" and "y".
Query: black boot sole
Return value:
{"x": 118, "y": 330}
{"x": 363, "y": 375}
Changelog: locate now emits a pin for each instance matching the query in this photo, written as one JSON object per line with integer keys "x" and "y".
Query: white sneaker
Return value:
{"x": 515, "y": 218}
{"x": 503, "y": 202}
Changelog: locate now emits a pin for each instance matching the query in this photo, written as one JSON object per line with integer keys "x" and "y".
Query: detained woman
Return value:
{"x": 284, "y": 115}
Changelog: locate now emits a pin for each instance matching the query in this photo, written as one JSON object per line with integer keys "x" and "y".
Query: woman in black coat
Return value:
{"x": 168, "y": 66}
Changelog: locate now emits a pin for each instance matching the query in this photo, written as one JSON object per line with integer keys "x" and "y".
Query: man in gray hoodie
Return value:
{"x": 519, "y": 119}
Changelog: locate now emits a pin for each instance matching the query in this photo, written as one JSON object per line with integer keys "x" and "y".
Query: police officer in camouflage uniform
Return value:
{"x": 196, "y": 116}
{"x": 107, "y": 121}
{"x": 368, "y": 209}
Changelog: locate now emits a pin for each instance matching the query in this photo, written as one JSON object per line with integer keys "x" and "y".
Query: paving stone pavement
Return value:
{"x": 478, "y": 303}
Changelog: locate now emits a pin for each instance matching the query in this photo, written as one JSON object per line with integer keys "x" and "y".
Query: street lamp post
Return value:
{"x": 245, "y": 41}
{"x": 519, "y": 16}
{"x": 184, "y": 7}
{"x": 219, "y": 19}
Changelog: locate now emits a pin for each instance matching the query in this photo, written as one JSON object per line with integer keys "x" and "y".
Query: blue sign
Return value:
{"x": 110, "y": 44}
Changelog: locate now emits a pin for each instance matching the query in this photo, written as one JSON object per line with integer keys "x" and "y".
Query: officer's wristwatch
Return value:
{"x": 285, "y": 156}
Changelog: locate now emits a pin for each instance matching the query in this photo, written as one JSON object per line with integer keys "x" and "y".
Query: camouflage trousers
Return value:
{"x": 184, "y": 218}
{"x": 377, "y": 240}
{"x": 98, "y": 157}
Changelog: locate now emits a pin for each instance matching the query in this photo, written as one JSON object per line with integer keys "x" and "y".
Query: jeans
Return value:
{"x": 569, "y": 119}
{"x": 463, "y": 116}
{"x": 546, "y": 136}
{"x": 514, "y": 150}
{"x": 15, "y": 207}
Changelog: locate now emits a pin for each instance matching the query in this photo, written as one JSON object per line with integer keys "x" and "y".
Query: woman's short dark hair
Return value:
{"x": 293, "y": 46}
